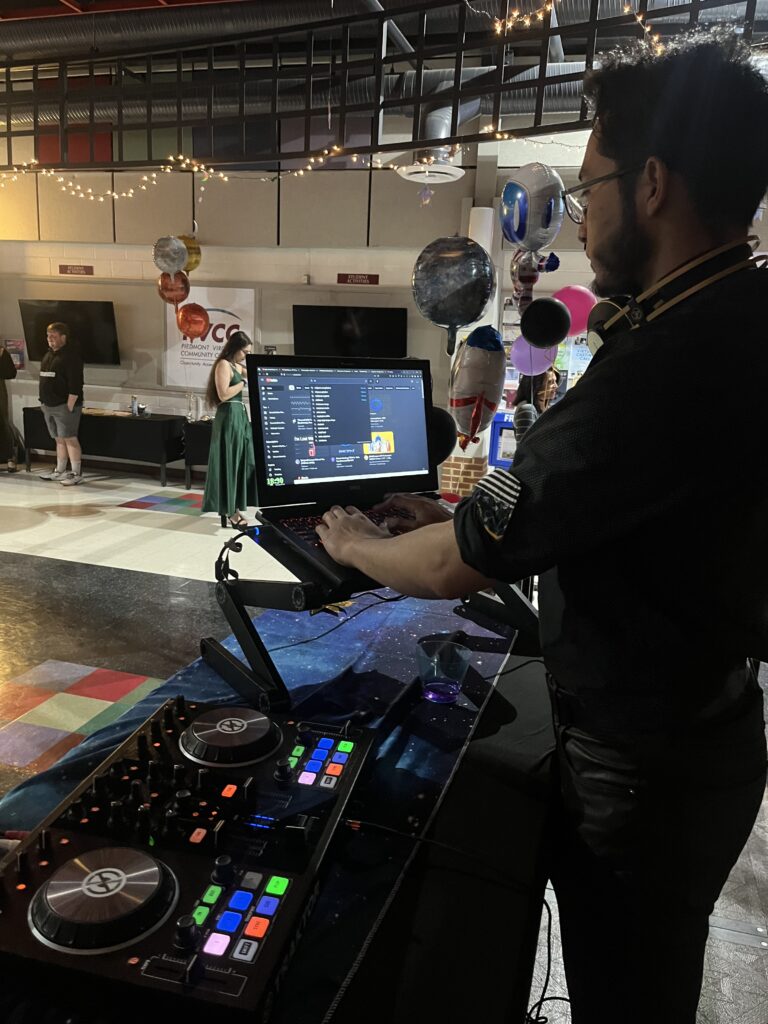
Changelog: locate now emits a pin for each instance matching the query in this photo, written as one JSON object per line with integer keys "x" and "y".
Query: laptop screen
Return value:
{"x": 339, "y": 430}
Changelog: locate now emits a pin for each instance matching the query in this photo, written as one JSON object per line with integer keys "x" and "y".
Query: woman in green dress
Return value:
{"x": 231, "y": 482}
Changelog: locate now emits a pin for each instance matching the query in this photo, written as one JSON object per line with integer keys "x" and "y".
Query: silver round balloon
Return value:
{"x": 170, "y": 254}
{"x": 532, "y": 207}
{"x": 453, "y": 283}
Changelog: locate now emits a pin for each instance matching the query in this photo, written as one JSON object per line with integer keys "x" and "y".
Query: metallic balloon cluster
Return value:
{"x": 531, "y": 215}
{"x": 177, "y": 257}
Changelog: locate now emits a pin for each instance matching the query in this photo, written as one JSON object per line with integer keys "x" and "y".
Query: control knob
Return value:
{"x": 187, "y": 933}
{"x": 223, "y": 870}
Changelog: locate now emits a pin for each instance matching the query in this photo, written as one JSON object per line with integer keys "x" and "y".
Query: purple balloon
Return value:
{"x": 531, "y": 360}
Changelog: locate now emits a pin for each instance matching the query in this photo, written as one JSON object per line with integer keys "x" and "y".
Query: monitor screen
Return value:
{"x": 350, "y": 331}
{"x": 91, "y": 325}
{"x": 332, "y": 425}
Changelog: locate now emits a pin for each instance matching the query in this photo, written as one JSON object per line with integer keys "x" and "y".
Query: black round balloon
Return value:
{"x": 545, "y": 322}
{"x": 453, "y": 282}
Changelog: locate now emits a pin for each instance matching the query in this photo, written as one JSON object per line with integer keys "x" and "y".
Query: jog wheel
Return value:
{"x": 234, "y": 737}
{"x": 103, "y": 900}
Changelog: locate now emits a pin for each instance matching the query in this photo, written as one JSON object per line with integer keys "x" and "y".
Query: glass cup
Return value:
{"x": 442, "y": 666}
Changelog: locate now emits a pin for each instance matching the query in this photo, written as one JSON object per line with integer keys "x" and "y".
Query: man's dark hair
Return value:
{"x": 59, "y": 327}
{"x": 701, "y": 107}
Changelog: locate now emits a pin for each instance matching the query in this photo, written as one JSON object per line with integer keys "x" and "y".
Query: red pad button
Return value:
{"x": 229, "y": 791}
{"x": 256, "y": 928}
{"x": 198, "y": 835}
{"x": 334, "y": 769}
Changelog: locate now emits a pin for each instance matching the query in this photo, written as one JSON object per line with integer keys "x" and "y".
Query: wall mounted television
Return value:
{"x": 366, "y": 331}
{"x": 91, "y": 324}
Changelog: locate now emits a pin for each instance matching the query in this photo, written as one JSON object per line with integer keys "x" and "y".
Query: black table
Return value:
{"x": 197, "y": 444}
{"x": 156, "y": 439}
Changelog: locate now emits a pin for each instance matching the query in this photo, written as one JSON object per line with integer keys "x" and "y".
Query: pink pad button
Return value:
{"x": 216, "y": 944}
{"x": 307, "y": 778}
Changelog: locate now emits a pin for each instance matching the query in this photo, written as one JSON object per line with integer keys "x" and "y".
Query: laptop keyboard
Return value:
{"x": 304, "y": 526}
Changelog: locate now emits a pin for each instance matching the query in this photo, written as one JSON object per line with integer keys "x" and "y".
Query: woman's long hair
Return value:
{"x": 235, "y": 343}
{"x": 529, "y": 388}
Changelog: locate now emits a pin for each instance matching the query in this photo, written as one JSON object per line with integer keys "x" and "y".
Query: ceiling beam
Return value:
{"x": 15, "y": 10}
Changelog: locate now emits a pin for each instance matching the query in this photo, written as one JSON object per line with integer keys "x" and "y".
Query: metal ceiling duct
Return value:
{"x": 45, "y": 39}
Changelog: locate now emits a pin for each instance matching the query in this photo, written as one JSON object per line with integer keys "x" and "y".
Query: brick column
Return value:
{"x": 460, "y": 473}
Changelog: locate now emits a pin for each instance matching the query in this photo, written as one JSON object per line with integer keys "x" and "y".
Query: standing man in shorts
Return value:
{"x": 61, "y": 396}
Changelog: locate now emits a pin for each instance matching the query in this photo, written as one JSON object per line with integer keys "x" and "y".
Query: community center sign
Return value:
{"x": 188, "y": 361}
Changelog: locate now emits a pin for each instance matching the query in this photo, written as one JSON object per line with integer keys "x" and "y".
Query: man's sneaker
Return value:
{"x": 54, "y": 474}
{"x": 71, "y": 479}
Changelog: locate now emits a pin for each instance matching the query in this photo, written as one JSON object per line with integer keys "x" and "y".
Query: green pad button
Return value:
{"x": 277, "y": 885}
{"x": 346, "y": 746}
{"x": 212, "y": 893}
{"x": 297, "y": 751}
{"x": 293, "y": 761}
{"x": 200, "y": 914}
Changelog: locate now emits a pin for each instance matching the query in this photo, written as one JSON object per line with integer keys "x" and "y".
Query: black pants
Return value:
{"x": 641, "y": 845}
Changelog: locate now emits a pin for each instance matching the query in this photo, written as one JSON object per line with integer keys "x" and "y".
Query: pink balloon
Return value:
{"x": 530, "y": 360}
{"x": 579, "y": 301}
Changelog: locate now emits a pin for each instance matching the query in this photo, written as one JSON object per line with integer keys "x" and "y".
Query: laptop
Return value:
{"x": 336, "y": 431}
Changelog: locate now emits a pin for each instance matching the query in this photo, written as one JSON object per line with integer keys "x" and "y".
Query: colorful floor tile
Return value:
{"x": 189, "y": 504}
{"x": 50, "y": 708}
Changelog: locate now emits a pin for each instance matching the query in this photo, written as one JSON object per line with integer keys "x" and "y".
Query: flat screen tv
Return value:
{"x": 91, "y": 326}
{"x": 365, "y": 331}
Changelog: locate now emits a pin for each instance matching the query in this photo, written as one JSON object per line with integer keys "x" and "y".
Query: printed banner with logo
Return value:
{"x": 188, "y": 361}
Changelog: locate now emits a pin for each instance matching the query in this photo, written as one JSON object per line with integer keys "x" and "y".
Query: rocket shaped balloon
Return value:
{"x": 477, "y": 383}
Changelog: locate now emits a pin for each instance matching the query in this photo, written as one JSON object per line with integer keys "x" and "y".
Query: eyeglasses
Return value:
{"x": 577, "y": 208}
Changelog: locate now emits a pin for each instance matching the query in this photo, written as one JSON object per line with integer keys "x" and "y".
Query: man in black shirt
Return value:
{"x": 61, "y": 396}
{"x": 647, "y": 529}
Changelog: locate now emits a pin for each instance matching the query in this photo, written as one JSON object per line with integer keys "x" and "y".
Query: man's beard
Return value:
{"x": 622, "y": 257}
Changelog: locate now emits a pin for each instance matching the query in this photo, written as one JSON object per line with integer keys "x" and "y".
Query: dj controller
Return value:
{"x": 180, "y": 875}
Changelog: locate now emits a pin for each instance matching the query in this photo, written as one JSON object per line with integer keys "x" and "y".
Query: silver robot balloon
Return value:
{"x": 532, "y": 207}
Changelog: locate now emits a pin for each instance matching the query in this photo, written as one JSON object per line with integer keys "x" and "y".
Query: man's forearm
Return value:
{"x": 425, "y": 563}
{"x": 71, "y": 402}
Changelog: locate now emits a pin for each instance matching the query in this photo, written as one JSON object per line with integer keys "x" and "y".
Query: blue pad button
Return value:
{"x": 267, "y": 905}
{"x": 240, "y": 900}
{"x": 319, "y": 754}
{"x": 325, "y": 743}
{"x": 313, "y": 766}
{"x": 229, "y": 922}
{"x": 340, "y": 758}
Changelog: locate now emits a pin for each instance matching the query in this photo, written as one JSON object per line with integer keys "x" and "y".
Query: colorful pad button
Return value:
{"x": 251, "y": 880}
{"x": 229, "y": 791}
{"x": 328, "y": 781}
{"x": 334, "y": 769}
{"x": 307, "y": 778}
{"x": 245, "y": 950}
{"x": 293, "y": 761}
{"x": 277, "y": 885}
{"x": 297, "y": 751}
{"x": 340, "y": 758}
{"x": 211, "y": 894}
{"x": 217, "y": 944}
{"x": 325, "y": 743}
{"x": 313, "y": 766}
{"x": 256, "y": 928}
{"x": 318, "y": 754}
{"x": 200, "y": 915}
{"x": 229, "y": 922}
{"x": 267, "y": 905}
{"x": 346, "y": 746}
{"x": 240, "y": 900}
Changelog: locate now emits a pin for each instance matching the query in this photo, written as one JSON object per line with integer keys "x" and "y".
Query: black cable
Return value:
{"x": 355, "y": 824}
{"x": 531, "y": 661}
{"x": 311, "y": 639}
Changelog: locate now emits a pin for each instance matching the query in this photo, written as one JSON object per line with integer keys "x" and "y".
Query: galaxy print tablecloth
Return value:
{"x": 358, "y": 664}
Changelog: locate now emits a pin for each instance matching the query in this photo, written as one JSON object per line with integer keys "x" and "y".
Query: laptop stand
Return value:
{"x": 257, "y": 680}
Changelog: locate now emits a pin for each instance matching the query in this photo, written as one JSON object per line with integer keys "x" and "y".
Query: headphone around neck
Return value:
{"x": 621, "y": 313}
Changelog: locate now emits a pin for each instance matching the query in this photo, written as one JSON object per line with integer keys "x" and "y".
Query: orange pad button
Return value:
{"x": 334, "y": 769}
{"x": 256, "y": 928}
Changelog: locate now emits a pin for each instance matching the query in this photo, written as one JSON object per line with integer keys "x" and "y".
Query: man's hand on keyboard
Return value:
{"x": 340, "y": 528}
{"x": 406, "y": 512}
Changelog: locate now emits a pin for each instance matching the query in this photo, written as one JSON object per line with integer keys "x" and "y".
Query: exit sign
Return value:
{"x": 357, "y": 279}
